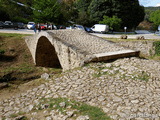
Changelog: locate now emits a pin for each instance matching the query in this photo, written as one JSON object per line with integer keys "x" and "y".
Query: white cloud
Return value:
{"x": 158, "y": 4}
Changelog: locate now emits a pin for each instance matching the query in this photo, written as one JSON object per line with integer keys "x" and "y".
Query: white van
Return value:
{"x": 100, "y": 28}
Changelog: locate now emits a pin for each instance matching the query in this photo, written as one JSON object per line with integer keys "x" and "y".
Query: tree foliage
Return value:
{"x": 85, "y": 12}
{"x": 83, "y": 15}
{"x": 155, "y": 17}
{"x": 113, "y": 22}
{"x": 14, "y": 10}
{"x": 69, "y": 11}
{"x": 99, "y": 8}
{"x": 130, "y": 12}
{"x": 148, "y": 11}
{"x": 82, "y": 5}
{"x": 46, "y": 10}
{"x": 83, "y": 18}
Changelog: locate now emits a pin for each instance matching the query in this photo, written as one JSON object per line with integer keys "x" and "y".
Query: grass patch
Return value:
{"x": 127, "y": 40}
{"x": 16, "y": 62}
{"x": 2, "y": 52}
{"x": 13, "y": 35}
{"x": 113, "y": 70}
{"x": 110, "y": 71}
{"x": 155, "y": 57}
{"x": 13, "y": 115}
{"x": 23, "y": 68}
{"x": 157, "y": 48}
{"x": 142, "y": 76}
{"x": 94, "y": 113}
{"x": 16, "y": 115}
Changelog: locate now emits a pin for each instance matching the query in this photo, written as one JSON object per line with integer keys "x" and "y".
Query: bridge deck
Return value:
{"x": 100, "y": 48}
{"x": 87, "y": 43}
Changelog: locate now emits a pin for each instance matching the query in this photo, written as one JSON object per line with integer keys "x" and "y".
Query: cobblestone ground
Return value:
{"x": 125, "y": 89}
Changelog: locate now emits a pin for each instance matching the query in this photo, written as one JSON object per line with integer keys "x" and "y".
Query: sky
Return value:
{"x": 147, "y": 3}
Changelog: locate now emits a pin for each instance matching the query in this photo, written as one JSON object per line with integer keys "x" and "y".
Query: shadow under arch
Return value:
{"x": 46, "y": 55}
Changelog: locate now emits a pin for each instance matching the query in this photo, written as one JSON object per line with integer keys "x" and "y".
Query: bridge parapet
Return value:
{"x": 72, "y": 48}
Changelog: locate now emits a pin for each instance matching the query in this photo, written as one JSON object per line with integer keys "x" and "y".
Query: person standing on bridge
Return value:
{"x": 35, "y": 27}
{"x": 39, "y": 27}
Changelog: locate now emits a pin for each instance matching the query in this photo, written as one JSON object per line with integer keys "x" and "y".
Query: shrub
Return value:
{"x": 157, "y": 47}
{"x": 2, "y": 52}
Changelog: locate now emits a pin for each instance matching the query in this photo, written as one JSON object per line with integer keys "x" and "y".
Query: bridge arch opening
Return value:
{"x": 46, "y": 55}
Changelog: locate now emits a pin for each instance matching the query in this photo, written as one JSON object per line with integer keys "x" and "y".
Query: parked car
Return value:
{"x": 1, "y": 24}
{"x": 70, "y": 27}
{"x": 9, "y": 24}
{"x": 21, "y": 25}
{"x": 61, "y": 27}
{"x": 79, "y": 27}
{"x": 100, "y": 28}
{"x": 43, "y": 27}
{"x": 30, "y": 25}
{"x": 87, "y": 29}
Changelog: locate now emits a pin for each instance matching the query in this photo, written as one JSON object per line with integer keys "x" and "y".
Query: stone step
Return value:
{"x": 115, "y": 55}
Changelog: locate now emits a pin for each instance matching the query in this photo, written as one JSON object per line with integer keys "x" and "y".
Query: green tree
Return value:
{"x": 69, "y": 11}
{"x": 83, "y": 18}
{"x": 46, "y": 11}
{"x": 83, "y": 15}
{"x": 82, "y": 5}
{"x": 155, "y": 17}
{"x": 3, "y": 14}
{"x": 15, "y": 10}
{"x": 99, "y": 8}
{"x": 129, "y": 11}
{"x": 113, "y": 22}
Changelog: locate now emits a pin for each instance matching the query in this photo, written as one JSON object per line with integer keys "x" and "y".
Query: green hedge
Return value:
{"x": 157, "y": 47}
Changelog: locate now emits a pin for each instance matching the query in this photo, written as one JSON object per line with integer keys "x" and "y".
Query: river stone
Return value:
{"x": 30, "y": 107}
{"x": 134, "y": 101}
{"x": 49, "y": 118}
{"x": 117, "y": 99}
{"x": 70, "y": 113}
{"x": 83, "y": 117}
{"x": 62, "y": 104}
{"x": 101, "y": 98}
{"x": 45, "y": 76}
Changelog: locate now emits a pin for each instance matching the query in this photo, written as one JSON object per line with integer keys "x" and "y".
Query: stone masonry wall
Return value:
{"x": 145, "y": 47}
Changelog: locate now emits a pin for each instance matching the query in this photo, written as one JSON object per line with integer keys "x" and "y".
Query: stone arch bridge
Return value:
{"x": 72, "y": 48}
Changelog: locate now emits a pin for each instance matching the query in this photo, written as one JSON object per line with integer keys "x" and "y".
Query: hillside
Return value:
{"x": 152, "y": 8}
